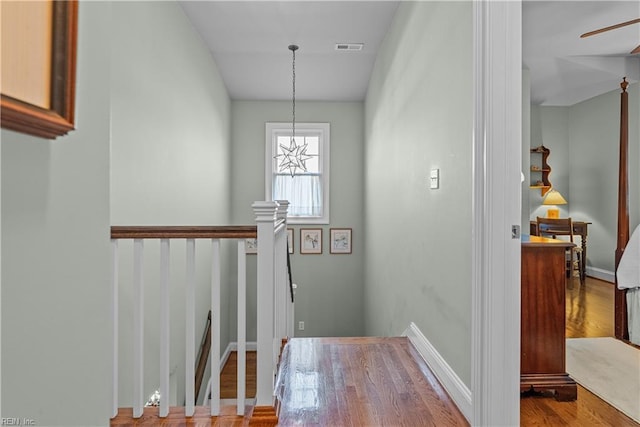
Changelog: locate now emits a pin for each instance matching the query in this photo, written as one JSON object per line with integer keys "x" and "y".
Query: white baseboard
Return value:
{"x": 599, "y": 273}
{"x": 458, "y": 391}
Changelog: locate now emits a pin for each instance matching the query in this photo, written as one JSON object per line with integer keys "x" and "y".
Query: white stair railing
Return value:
{"x": 271, "y": 219}
{"x": 274, "y": 309}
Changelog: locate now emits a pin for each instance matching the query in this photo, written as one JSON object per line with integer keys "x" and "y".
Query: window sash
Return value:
{"x": 308, "y": 192}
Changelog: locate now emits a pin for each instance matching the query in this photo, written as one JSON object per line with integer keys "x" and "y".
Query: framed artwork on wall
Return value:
{"x": 340, "y": 240}
{"x": 39, "y": 103}
{"x": 311, "y": 240}
{"x": 251, "y": 246}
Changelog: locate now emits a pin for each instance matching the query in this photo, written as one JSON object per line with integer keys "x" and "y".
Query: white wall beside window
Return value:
{"x": 307, "y": 191}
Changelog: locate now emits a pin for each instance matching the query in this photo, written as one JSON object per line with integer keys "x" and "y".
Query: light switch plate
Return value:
{"x": 434, "y": 179}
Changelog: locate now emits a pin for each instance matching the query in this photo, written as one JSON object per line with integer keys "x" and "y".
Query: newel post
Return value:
{"x": 265, "y": 213}
{"x": 283, "y": 207}
{"x": 282, "y": 283}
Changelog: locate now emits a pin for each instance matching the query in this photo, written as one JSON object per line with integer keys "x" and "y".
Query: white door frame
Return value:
{"x": 497, "y": 134}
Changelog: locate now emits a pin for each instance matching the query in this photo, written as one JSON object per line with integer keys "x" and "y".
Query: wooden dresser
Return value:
{"x": 542, "y": 329}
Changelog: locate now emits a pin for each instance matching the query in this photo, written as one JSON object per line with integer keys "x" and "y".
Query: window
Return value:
{"x": 307, "y": 191}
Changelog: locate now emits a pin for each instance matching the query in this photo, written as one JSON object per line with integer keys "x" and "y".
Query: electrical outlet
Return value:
{"x": 301, "y": 326}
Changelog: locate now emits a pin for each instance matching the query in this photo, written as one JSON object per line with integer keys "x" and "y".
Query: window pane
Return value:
{"x": 308, "y": 189}
{"x": 313, "y": 150}
{"x": 313, "y": 165}
{"x": 313, "y": 145}
{"x": 311, "y": 157}
{"x": 304, "y": 193}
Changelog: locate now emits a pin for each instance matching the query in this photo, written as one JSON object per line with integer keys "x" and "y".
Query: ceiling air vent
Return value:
{"x": 349, "y": 46}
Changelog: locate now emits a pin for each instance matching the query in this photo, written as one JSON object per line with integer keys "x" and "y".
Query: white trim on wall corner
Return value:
{"x": 0, "y": 284}
{"x": 599, "y": 273}
{"x": 496, "y": 201}
{"x": 459, "y": 392}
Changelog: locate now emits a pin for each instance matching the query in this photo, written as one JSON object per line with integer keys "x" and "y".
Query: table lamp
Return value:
{"x": 553, "y": 199}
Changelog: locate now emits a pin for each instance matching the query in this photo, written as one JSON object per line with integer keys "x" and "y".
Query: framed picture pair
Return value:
{"x": 339, "y": 240}
{"x": 311, "y": 241}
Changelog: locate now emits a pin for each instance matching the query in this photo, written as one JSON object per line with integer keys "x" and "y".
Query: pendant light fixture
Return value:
{"x": 294, "y": 156}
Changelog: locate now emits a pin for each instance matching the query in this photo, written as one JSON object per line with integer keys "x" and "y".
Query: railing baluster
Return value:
{"x": 164, "y": 327}
{"x": 114, "y": 325}
{"x": 270, "y": 318}
{"x": 190, "y": 334}
{"x": 138, "y": 328}
{"x": 242, "y": 328}
{"x": 215, "y": 327}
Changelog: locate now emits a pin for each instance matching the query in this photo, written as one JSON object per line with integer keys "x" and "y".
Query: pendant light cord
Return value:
{"x": 293, "y": 49}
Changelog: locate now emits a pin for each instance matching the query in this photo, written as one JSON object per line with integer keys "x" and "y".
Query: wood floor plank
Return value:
{"x": 376, "y": 381}
{"x": 371, "y": 381}
{"x": 589, "y": 308}
{"x": 177, "y": 418}
{"x": 228, "y": 376}
{"x": 586, "y": 410}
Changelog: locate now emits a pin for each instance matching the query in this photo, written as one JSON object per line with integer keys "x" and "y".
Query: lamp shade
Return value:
{"x": 554, "y": 198}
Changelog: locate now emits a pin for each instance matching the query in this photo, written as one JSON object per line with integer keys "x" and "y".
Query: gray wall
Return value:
{"x": 550, "y": 127}
{"x": 55, "y": 246}
{"x": 419, "y": 117}
{"x": 170, "y": 117}
{"x": 329, "y": 298}
{"x": 584, "y": 143}
{"x": 594, "y": 135}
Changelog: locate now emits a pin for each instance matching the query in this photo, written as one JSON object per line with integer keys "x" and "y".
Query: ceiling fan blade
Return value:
{"x": 613, "y": 27}
{"x": 636, "y": 50}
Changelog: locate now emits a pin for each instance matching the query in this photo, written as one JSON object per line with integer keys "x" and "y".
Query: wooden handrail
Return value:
{"x": 271, "y": 225}
{"x": 203, "y": 356}
{"x": 184, "y": 232}
{"x": 289, "y": 273}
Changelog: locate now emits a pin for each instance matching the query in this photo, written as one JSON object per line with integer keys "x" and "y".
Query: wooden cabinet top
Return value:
{"x": 533, "y": 241}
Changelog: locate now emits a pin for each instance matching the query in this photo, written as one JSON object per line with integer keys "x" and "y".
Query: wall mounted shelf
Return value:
{"x": 540, "y": 169}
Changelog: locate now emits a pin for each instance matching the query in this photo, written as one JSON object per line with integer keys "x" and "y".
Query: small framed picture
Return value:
{"x": 290, "y": 239}
{"x": 311, "y": 240}
{"x": 251, "y": 246}
{"x": 340, "y": 241}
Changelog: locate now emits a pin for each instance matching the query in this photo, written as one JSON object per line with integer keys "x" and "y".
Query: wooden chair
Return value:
{"x": 554, "y": 227}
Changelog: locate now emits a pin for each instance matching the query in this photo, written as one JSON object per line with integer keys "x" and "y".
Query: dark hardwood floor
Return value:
{"x": 589, "y": 314}
{"x": 228, "y": 376}
{"x": 355, "y": 386}
{"x": 176, "y": 418}
{"x": 589, "y": 308}
{"x": 362, "y": 381}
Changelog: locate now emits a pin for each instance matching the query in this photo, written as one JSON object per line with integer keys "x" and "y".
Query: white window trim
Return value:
{"x": 271, "y": 129}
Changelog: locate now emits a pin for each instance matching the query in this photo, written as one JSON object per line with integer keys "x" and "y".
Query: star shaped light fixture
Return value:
{"x": 294, "y": 156}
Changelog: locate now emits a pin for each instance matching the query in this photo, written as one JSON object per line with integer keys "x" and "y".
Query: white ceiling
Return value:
{"x": 566, "y": 69}
{"x": 249, "y": 40}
